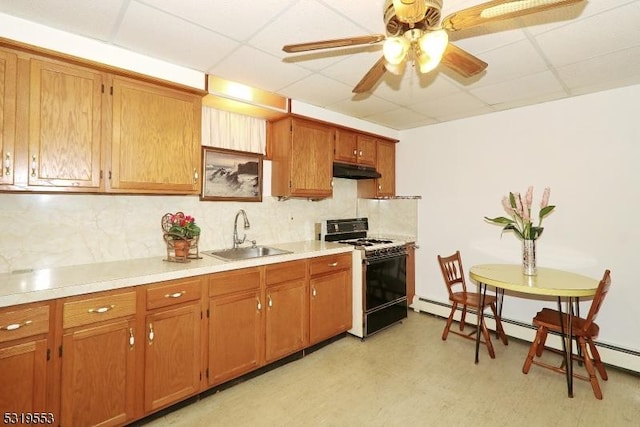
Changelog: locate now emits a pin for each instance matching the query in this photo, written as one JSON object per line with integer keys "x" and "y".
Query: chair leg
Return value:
{"x": 589, "y": 365}
{"x": 487, "y": 339}
{"x": 596, "y": 359}
{"x": 445, "y": 332}
{"x": 463, "y": 318}
{"x": 542, "y": 341}
{"x": 499, "y": 328}
{"x": 533, "y": 349}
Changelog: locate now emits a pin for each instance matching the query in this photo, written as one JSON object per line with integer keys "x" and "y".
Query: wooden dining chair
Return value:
{"x": 584, "y": 330}
{"x": 454, "y": 279}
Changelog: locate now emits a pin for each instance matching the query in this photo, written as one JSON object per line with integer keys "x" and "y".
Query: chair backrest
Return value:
{"x": 452, "y": 272}
{"x": 601, "y": 292}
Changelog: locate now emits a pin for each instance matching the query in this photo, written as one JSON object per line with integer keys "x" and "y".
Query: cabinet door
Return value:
{"x": 23, "y": 369}
{"x": 367, "y": 146}
{"x": 330, "y": 307}
{"x": 172, "y": 356}
{"x": 235, "y": 335}
{"x": 286, "y": 319}
{"x": 98, "y": 372}
{"x": 155, "y": 136}
{"x": 65, "y": 112}
{"x": 311, "y": 159}
{"x": 8, "y": 63}
{"x": 346, "y": 146}
{"x": 387, "y": 168}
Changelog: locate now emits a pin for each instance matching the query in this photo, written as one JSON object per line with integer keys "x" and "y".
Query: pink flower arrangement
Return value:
{"x": 519, "y": 209}
{"x": 183, "y": 226}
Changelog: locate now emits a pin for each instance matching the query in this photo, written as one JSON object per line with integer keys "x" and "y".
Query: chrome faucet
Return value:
{"x": 236, "y": 240}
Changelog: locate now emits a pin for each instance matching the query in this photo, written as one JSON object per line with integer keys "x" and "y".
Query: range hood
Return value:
{"x": 343, "y": 170}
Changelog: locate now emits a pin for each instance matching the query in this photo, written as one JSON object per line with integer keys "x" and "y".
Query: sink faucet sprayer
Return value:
{"x": 236, "y": 240}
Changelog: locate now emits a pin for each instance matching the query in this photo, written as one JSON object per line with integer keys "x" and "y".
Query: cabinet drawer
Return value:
{"x": 285, "y": 271}
{"x": 173, "y": 292}
{"x": 23, "y": 322}
{"x": 234, "y": 281}
{"x": 98, "y": 308}
{"x": 330, "y": 263}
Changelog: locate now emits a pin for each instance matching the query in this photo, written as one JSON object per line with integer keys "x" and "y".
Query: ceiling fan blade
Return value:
{"x": 496, "y": 10}
{"x": 328, "y": 44}
{"x": 371, "y": 78}
{"x": 462, "y": 62}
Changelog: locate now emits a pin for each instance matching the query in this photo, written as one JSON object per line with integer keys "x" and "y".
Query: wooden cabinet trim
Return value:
{"x": 173, "y": 292}
{"x": 24, "y": 322}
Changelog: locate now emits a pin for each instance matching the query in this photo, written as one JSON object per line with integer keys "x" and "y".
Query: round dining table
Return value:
{"x": 563, "y": 285}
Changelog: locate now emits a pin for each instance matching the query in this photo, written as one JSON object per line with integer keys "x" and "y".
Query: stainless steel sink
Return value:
{"x": 246, "y": 253}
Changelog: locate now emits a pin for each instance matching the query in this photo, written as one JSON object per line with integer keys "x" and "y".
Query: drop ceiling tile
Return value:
{"x": 538, "y": 99}
{"x": 622, "y": 68}
{"x": 367, "y": 14}
{"x": 241, "y": 66}
{"x": 595, "y": 36}
{"x": 518, "y": 89}
{"x": 400, "y": 118}
{"x": 91, "y": 19}
{"x": 363, "y": 107}
{"x": 178, "y": 41}
{"x": 444, "y": 106}
{"x": 305, "y": 21}
{"x": 226, "y": 17}
{"x": 353, "y": 65}
{"x": 512, "y": 61}
{"x": 317, "y": 90}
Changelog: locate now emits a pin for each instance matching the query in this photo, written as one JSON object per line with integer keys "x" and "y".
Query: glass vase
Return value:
{"x": 529, "y": 257}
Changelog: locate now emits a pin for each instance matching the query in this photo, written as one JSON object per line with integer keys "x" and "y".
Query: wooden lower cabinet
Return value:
{"x": 98, "y": 359}
{"x": 172, "y": 342}
{"x": 236, "y": 324}
{"x": 286, "y": 311}
{"x": 24, "y": 359}
{"x": 330, "y": 297}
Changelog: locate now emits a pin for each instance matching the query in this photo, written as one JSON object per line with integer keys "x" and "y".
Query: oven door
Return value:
{"x": 385, "y": 284}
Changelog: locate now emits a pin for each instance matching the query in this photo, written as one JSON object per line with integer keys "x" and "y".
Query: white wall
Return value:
{"x": 585, "y": 148}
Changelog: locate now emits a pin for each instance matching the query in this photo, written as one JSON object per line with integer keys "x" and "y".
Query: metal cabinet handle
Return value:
{"x": 333, "y": 264}
{"x": 175, "y": 294}
{"x": 14, "y": 326}
{"x": 259, "y": 306}
{"x": 101, "y": 310}
{"x": 269, "y": 301}
{"x": 33, "y": 165}
{"x": 360, "y": 153}
{"x": 151, "y": 333}
{"x": 314, "y": 292}
{"x": 7, "y": 164}
{"x": 132, "y": 338}
{"x": 195, "y": 175}
{"x": 355, "y": 152}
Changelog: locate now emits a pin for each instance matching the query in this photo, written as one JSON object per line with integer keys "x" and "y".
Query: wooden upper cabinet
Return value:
{"x": 355, "y": 148}
{"x": 65, "y": 112}
{"x": 8, "y": 62}
{"x": 155, "y": 139}
{"x": 385, "y": 186}
{"x": 302, "y": 158}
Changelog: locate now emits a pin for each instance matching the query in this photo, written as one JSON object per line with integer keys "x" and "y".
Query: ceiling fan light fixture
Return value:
{"x": 427, "y": 63}
{"x": 410, "y": 11}
{"x": 395, "y": 49}
{"x": 434, "y": 43}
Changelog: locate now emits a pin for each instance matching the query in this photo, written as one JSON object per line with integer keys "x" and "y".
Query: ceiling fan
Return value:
{"x": 415, "y": 32}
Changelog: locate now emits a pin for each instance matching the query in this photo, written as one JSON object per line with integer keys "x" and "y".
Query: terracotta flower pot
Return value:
{"x": 181, "y": 248}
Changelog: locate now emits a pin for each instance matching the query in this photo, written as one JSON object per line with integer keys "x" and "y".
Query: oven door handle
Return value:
{"x": 383, "y": 258}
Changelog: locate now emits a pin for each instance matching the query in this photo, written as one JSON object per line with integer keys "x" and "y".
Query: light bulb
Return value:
{"x": 434, "y": 43}
{"x": 395, "y": 49}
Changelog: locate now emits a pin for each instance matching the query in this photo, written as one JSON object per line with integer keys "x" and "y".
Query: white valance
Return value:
{"x": 232, "y": 131}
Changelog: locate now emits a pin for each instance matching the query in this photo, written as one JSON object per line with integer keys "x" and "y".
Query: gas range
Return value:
{"x": 379, "y": 292}
{"x": 353, "y": 231}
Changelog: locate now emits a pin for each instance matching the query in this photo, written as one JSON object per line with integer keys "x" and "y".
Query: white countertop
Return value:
{"x": 51, "y": 283}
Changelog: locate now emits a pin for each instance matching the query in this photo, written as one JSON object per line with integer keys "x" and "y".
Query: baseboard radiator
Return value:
{"x": 623, "y": 358}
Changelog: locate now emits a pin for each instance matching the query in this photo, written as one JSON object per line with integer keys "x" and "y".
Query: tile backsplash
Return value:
{"x": 54, "y": 230}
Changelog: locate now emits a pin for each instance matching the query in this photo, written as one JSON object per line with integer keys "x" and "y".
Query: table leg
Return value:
{"x": 482, "y": 292}
{"x": 499, "y": 300}
{"x": 567, "y": 341}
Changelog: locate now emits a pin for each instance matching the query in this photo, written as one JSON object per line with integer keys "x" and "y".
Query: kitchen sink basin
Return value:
{"x": 246, "y": 253}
